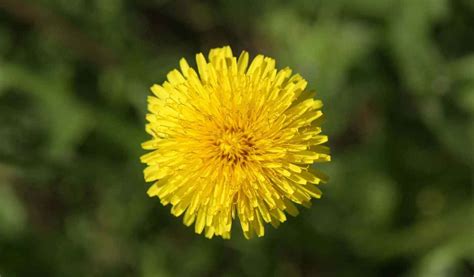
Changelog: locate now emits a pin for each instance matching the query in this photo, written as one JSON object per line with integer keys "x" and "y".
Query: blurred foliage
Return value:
{"x": 397, "y": 80}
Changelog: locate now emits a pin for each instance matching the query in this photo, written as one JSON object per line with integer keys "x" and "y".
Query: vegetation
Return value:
{"x": 397, "y": 80}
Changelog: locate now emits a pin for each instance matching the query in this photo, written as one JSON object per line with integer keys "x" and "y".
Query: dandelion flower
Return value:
{"x": 234, "y": 140}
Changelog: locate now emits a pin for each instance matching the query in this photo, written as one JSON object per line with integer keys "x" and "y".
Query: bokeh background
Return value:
{"x": 397, "y": 80}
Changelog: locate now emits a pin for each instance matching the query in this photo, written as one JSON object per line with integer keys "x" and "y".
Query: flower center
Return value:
{"x": 234, "y": 146}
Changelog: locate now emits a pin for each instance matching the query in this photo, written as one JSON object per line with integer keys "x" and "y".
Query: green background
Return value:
{"x": 397, "y": 80}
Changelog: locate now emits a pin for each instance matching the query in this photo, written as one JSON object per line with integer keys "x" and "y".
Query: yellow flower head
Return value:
{"x": 233, "y": 140}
